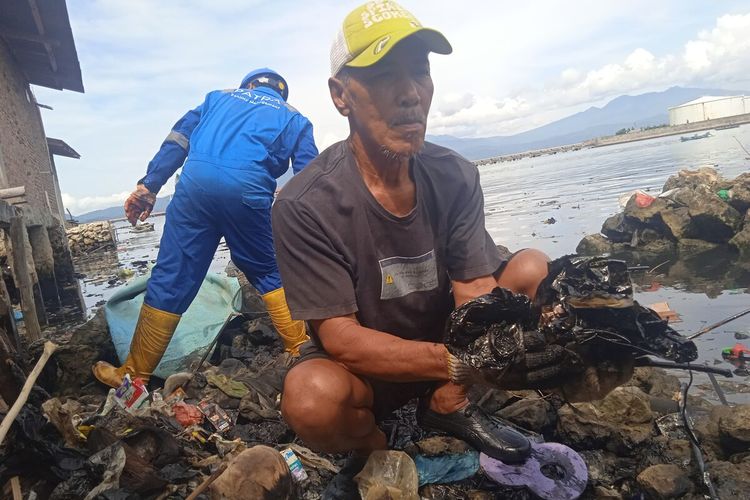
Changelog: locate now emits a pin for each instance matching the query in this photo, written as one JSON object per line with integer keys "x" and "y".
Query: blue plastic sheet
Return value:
{"x": 217, "y": 299}
{"x": 446, "y": 468}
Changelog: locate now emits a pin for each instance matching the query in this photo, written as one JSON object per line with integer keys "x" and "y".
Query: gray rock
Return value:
{"x": 741, "y": 241}
{"x": 664, "y": 481}
{"x": 619, "y": 422}
{"x": 677, "y": 451}
{"x": 606, "y": 468}
{"x": 647, "y": 236}
{"x": 617, "y": 229}
{"x": 604, "y": 493}
{"x": 712, "y": 219}
{"x": 707, "y": 431}
{"x": 703, "y": 176}
{"x": 594, "y": 244}
{"x": 739, "y": 191}
{"x": 734, "y": 429}
{"x": 731, "y": 481}
{"x": 649, "y": 216}
{"x": 531, "y": 413}
{"x": 690, "y": 246}
{"x": 655, "y": 382}
{"x": 657, "y": 247}
{"x": 677, "y": 220}
{"x": 69, "y": 369}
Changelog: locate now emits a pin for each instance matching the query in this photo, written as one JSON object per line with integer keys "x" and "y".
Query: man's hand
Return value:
{"x": 139, "y": 204}
{"x": 513, "y": 360}
{"x": 539, "y": 364}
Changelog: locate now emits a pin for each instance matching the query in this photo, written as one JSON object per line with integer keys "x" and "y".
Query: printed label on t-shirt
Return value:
{"x": 404, "y": 275}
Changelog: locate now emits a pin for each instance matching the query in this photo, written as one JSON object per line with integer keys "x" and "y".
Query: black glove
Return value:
{"x": 487, "y": 343}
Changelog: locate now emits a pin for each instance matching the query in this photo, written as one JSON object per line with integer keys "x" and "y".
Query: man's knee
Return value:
{"x": 525, "y": 271}
{"x": 316, "y": 395}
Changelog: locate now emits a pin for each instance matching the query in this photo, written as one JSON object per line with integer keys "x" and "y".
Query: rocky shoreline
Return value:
{"x": 697, "y": 211}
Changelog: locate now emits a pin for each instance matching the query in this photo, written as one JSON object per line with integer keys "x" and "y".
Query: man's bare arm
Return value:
{"x": 384, "y": 356}
{"x": 380, "y": 355}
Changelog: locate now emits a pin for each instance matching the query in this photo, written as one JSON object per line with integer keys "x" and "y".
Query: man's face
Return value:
{"x": 387, "y": 103}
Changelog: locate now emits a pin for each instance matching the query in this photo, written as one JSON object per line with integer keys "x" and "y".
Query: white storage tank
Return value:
{"x": 708, "y": 108}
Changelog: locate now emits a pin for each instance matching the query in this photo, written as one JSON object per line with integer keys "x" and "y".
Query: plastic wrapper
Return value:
{"x": 187, "y": 414}
{"x": 215, "y": 415}
{"x": 131, "y": 394}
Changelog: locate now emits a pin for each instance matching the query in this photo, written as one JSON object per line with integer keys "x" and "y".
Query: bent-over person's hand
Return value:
{"x": 139, "y": 204}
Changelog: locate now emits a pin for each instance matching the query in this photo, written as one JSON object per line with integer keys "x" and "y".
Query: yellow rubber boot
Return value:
{"x": 150, "y": 339}
{"x": 292, "y": 333}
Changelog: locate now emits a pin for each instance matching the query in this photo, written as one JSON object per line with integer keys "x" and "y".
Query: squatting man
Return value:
{"x": 377, "y": 240}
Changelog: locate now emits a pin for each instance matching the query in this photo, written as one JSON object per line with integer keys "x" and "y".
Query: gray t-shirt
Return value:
{"x": 341, "y": 252}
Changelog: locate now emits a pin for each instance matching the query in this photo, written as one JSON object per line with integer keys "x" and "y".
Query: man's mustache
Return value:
{"x": 408, "y": 118}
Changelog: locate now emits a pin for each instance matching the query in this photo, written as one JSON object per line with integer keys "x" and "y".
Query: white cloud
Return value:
{"x": 716, "y": 57}
{"x": 88, "y": 203}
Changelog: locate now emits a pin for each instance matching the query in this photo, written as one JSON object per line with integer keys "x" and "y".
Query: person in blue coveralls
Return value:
{"x": 234, "y": 146}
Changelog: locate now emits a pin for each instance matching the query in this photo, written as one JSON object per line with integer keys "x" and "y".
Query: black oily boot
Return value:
{"x": 484, "y": 432}
{"x": 343, "y": 486}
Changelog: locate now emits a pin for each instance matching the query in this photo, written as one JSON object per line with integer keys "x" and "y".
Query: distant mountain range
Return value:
{"x": 118, "y": 212}
{"x": 644, "y": 110}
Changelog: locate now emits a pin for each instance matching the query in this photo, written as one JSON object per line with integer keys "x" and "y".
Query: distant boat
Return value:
{"x": 728, "y": 126}
{"x": 695, "y": 137}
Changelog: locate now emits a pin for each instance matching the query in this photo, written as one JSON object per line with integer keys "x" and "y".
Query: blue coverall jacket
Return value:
{"x": 234, "y": 146}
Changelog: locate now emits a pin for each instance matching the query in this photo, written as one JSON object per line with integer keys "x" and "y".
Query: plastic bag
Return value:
{"x": 388, "y": 474}
{"x": 446, "y": 468}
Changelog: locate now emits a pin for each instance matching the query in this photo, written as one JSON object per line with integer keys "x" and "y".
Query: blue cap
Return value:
{"x": 274, "y": 79}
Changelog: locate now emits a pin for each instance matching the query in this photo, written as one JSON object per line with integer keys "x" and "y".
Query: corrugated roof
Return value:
{"x": 39, "y": 36}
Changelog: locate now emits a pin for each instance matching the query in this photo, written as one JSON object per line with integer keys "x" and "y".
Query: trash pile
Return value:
{"x": 87, "y": 238}
{"x": 697, "y": 211}
{"x": 215, "y": 431}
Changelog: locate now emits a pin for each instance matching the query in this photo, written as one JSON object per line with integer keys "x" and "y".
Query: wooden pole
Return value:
{"x": 7, "y": 318}
{"x": 15, "y": 485}
{"x": 21, "y": 272}
{"x": 49, "y": 348}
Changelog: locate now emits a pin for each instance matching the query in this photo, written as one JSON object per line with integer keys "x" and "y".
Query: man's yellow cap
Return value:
{"x": 371, "y": 30}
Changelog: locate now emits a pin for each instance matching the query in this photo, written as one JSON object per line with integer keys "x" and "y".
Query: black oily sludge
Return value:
{"x": 585, "y": 304}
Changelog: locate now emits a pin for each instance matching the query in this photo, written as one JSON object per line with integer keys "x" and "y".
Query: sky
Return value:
{"x": 515, "y": 66}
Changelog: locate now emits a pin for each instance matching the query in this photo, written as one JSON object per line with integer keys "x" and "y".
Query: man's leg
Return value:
{"x": 524, "y": 272}
{"x": 247, "y": 230}
{"x": 330, "y": 408}
{"x": 185, "y": 252}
